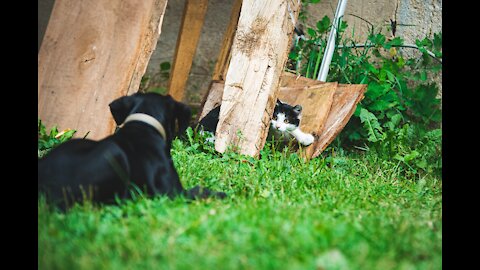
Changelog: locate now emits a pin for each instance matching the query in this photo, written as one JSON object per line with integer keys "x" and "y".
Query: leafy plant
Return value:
{"x": 49, "y": 140}
{"x": 157, "y": 82}
{"x": 400, "y": 99}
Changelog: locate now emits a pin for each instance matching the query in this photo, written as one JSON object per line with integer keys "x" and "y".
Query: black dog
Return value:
{"x": 137, "y": 155}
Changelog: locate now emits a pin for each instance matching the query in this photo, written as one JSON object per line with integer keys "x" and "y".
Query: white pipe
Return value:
{"x": 327, "y": 58}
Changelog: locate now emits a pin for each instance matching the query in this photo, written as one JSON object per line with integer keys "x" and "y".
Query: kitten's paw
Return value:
{"x": 210, "y": 140}
{"x": 208, "y": 136}
{"x": 307, "y": 139}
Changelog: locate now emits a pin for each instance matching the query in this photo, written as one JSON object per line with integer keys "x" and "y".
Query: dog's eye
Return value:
{"x": 286, "y": 121}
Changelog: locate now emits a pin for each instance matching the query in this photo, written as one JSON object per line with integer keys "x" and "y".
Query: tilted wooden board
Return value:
{"x": 345, "y": 101}
{"x": 93, "y": 52}
{"x": 214, "y": 98}
{"x": 316, "y": 101}
{"x": 259, "y": 53}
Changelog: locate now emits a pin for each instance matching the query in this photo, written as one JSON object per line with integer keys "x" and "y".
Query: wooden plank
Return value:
{"x": 223, "y": 59}
{"x": 93, "y": 52}
{"x": 213, "y": 99}
{"x": 293, "y": 80}
{"x": 259, "y": 54}
{"x": 345, "y": 101}
{"x": 190, "y": 30}
{"x": 316, "y": 101}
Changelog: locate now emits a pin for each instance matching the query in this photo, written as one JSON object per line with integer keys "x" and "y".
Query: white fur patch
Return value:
{"x": 287, "y": 130}
{"x": 280, "y": 124}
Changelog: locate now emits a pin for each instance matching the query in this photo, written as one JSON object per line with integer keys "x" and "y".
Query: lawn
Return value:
{"x": 338, "y": 211}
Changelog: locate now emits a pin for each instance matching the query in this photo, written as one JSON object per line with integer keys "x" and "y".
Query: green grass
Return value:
{"x": 338, "y": 211}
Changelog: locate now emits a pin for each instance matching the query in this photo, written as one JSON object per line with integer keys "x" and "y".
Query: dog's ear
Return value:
{"x": 183, "y": 113}
{"x": 122, "y": 107}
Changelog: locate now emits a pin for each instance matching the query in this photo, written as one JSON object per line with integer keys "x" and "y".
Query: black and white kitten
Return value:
{"x": 284, "y": 124}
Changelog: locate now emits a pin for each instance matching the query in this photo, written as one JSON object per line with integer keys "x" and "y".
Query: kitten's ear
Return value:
{"x": 297, "y": 109}
{"x": 279, "y": 102}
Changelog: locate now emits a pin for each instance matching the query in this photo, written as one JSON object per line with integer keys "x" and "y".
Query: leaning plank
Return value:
{"x": 293, "y": 80}
{"x": 259, "y": 53}
{"x": 190, "y": 30}
{"x": 345, "y": 101}
{"x": 93, "y": 52}
{"x": 212, "y": 100}
{"x": 316, "y": 101}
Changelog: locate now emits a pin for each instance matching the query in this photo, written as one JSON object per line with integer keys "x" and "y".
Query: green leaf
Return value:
{"x": 311, "y": 32}
{"x": 390, "y": 76}
{"x": 377, "y": 39}
{"x": 372, "y": 126}
{"x": 323, "y": 25}
{"x": 67, "y": 135}
{"x": 293, "y": 55}
{"x": 397, "y": 41}
{"x": 394, "y": 122}
{"x": 375, "y": 90}
{"x": 437, "y": 41}
{"x": 165, "y": 66}
{"x": 409, "y": 157}
{"x": 379, "y": 105}
{"x": 423, "y": 75}
{"x": 53, "y": 132}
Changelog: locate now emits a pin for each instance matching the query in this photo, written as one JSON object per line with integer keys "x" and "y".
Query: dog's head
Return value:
{"x": 173, "y": 115}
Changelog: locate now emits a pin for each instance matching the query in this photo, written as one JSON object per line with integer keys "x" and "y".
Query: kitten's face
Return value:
{"x": 285, "y": 117}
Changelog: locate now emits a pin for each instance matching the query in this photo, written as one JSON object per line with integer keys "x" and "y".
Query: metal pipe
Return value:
{"x": 325, "y": 66}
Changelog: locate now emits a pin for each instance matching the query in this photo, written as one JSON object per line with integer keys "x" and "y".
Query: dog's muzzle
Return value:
{"x": 148, "y": 120}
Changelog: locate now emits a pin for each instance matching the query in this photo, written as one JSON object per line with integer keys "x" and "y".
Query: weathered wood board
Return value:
{"x": 259, "y": 53}
{"x": 188, "y": 37}
{"x": 93, "y": 52}
{"x": 213, "y": 99}
{"x": 345, "y": 101}
{"x": 316, "y": 101}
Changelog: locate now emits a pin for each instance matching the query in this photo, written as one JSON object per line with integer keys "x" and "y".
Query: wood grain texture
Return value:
{"x": 345, "y": 101}
{"x": 92, "y": 53}
{"x": 316, "y": 101}
{"x": 188, "y": 37}
{"x": 214, "y": 99}
{"x": 259, "y": 54}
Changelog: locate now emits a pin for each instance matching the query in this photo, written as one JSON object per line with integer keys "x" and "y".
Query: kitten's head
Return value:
{"x": 286, "y": 117}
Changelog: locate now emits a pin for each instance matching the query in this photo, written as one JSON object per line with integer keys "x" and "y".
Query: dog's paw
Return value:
{"x": 220, "y": 195}
{"x": 306, "y": 139}
{"x": 199, "y": 192}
